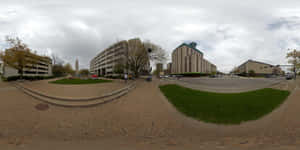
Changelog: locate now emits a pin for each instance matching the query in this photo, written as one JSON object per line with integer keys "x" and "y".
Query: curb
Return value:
{"x": 75, "y": 99}
{"x": 79, "y": 102}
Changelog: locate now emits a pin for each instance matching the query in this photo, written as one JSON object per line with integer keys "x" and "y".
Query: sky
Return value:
{"x": 227, "y": 32}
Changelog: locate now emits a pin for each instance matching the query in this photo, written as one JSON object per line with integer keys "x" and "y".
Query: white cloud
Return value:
{"x": 228, "y": 32}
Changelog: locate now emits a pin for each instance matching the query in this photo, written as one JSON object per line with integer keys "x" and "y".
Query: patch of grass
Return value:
{"x": 224, "y": 108}
{"x": 80, "y": 81}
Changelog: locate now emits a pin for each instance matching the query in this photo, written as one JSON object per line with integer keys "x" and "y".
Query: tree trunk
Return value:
{"x": 21, "y": 74}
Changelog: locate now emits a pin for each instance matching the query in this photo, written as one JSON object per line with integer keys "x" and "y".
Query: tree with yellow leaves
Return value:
{"x": 18, "y": 56}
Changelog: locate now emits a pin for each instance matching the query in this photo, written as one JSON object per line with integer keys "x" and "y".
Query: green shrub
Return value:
{"x": 192, "y": 74}
{"x": 32, "y": 78}
{"x": 252, "y": 73}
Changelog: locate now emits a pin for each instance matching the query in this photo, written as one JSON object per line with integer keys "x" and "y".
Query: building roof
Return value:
{"x": 190, "y": 46}
{"x": 250, "y": 60}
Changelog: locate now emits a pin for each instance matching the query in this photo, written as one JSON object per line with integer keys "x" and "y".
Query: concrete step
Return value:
{"x": 76, "y": 103}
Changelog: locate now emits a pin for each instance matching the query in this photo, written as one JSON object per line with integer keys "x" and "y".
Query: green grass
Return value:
{"x": 80, "y": 81}
{"x": 224, "y": 108}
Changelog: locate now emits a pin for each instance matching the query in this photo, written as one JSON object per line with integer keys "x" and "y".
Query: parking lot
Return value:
{"x": 227, "y": 84}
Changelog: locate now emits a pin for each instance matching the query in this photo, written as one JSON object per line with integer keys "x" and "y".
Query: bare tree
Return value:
{"x": 56, "y": 60}
{"x": 294, "y": 59}
{"x": 156, "y": 53}
{"x": 138, "y": 58}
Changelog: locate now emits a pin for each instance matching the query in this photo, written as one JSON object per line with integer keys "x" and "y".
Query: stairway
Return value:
{"x": 76, "y": 102}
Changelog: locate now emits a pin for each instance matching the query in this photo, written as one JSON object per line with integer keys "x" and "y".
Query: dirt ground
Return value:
{"x": 142, "y": 119}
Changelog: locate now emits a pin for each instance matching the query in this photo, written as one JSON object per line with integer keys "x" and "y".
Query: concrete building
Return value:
{"x": 187, "y": 58}
{"x": 259, "y": 68}
{"x": 104, "y": 63}
{"x": 1, "y": 67}
{"x": 160, "y": 69}
{"x": 42, "y": 68}
{"x": 169, "y": 68}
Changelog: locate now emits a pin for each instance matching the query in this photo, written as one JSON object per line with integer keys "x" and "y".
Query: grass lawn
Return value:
{"x": 224, "y": 108}
{"x": 80, "y": 81}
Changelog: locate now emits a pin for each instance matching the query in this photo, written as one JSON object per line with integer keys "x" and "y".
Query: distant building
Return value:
{"x": 259, "y": 68}
{"x": 1, "y": 67}
{"x": 107, "y": 62}
{"x": 187, "y": 58}
{"x": 77, "y": 67}
{"x": 104, "y": 63}
{"x": 42, "y": 68}
{"x": 169, "y": 68}
{"x": 159, "y": 69}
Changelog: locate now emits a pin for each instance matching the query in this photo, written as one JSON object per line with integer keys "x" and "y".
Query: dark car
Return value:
{"x": 289, "y": 76}
{"x": 212, "y": 76}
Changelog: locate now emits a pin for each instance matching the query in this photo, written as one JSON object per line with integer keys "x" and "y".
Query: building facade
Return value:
{"x": 187, "y": 58}
{"x": 43, "y": 67}
{"x": 1, "y": 67}
{"x": 104, "y": 63}
{"x": 169, "y": 68}
{"x": 259, "y": 68}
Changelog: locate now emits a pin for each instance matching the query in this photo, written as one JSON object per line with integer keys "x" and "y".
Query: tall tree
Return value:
{"x": 294, "y": 59}
{"x": 119, "y": 68}
{"x": 138, "y": 58}
{"x": 58, "y": 70}
{"x": 18, "y": 56}
{"x": 84, "y": 72}
{"x": 140, "y": 54}
{"x": 156, "y": 53}
{"x": 68, "y": 69}
{"x": 56, "y": 60}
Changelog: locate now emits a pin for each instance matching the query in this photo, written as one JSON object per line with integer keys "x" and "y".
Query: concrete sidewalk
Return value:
{"x": 143, "y": 119}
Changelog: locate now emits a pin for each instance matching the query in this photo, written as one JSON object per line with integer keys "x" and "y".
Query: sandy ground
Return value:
{"x": 143, "y": 119}
{"x": 71, "y": 91}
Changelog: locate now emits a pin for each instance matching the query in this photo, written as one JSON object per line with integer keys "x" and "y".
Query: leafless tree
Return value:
{"x": 294, "y": 59}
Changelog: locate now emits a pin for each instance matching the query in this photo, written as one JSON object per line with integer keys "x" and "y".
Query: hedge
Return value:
{"x": 192, "y": 74}
{"x": 14, "y": 78}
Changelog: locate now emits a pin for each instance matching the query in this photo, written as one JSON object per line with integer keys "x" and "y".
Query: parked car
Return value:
{"x": 289, "y": 76}
{"x": 212, "y": 76}
{"x": 149, "y": 78}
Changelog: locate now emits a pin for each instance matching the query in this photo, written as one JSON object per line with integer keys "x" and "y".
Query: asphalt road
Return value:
{"x": 229, "y": 84}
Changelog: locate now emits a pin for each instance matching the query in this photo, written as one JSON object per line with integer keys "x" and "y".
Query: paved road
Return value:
{"x": 228, "y": 84}
{"x": 143, "y": 119}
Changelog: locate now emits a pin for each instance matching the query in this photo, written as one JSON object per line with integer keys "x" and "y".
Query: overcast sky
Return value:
{"x": 227, "y": 32}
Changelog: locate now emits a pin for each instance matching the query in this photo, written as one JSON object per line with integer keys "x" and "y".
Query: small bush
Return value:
{"x": 252, "y": 73}
{"x": 192, "y": 74}
{"x": 32, "y": 78}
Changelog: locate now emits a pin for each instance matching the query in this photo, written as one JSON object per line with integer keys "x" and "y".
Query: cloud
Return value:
{"x": 228, "y": 32}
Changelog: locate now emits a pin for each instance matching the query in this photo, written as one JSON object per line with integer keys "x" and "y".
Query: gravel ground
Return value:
{"x": 142, "y": 119}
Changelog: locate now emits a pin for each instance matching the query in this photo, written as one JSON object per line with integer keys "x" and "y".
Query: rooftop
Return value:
{"x": 192, "y": 45}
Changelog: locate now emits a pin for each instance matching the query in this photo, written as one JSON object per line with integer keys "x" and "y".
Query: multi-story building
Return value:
{"x": 160, "y": 69}
{"x": 104, "y": 63}
{"x": 259, "y": 68}
{"x": 169, "y": 68}
{"x": 108, "y": 61}
{"x": 43, "y": 67}
{"x": 187, "y": 58}
{"x": 1, "y": 67}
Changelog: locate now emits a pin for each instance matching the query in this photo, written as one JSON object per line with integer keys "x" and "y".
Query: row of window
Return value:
{"x": 33, "y": 72}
